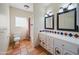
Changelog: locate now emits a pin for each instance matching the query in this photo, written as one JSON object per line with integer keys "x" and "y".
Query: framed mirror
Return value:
{"x": 67, "y": 20}
{"x": 49, "y": 22}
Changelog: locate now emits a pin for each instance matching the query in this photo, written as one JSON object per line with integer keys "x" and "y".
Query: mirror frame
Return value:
{"x": 52, "y": 22}
{"x": 75, "y": 18}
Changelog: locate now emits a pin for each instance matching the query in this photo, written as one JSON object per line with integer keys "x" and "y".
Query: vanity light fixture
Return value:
{"x": 72, "y": 6}
{"x": 61, "y": 9}
{"x": 49, "y": 13}
{"x": 65, "y": 9}
{"x": 69, "y": 6}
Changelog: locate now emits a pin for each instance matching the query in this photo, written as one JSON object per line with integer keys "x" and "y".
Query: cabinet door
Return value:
{"x": 44, "y": 40}
{"x": 71, "y": 47}
{"x": 58, "y": 48}
{"x": 42, "y": 44}
{"x": 41, "y": 37}
{"x": 50, "y": 44}
{"x": 59, "y": 42}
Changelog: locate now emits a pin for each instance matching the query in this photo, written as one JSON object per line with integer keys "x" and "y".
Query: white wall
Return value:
{"x": 32, "y": 28}
{"x": 38, "y": 21}
{"x": 4, "y": 23}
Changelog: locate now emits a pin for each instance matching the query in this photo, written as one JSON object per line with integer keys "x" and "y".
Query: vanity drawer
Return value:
{"x": 71, "y": 47}
{"x": 43, "y": 44}
{"x": 51, "y": 50}
{"x": 58, "y": 42}
{"x": 50, "y": 43}
{"x": 41, "y": 36}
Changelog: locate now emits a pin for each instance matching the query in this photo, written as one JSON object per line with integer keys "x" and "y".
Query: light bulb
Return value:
{"x": 49, "y": 11}
{"x": 61, "y": 10}
{"x": 46, "y": 15}
{"x": 71, "y": 7}
{"x": 50, "y": 14}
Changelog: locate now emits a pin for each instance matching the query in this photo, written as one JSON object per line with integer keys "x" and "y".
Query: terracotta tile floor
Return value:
{"x": 26, "y": 48}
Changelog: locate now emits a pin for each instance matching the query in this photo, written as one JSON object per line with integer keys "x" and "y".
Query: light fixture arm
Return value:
{"x": 69, "y": 5}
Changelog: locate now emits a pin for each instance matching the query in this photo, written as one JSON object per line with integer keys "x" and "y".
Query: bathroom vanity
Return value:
{"x": 57, "y": 41}
{"x": 59, "y": 44}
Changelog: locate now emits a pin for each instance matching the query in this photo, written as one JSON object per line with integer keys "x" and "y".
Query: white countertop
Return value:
{"x": 62, "y": 37}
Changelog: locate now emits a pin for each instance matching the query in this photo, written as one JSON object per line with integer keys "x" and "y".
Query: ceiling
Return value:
{"x": 21, "y": 6}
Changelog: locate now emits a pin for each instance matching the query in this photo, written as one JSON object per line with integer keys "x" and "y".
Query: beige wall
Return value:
{"x": 17, "y": 12}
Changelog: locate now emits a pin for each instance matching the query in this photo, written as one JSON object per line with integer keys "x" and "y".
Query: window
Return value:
{"x": 21, "y": 22}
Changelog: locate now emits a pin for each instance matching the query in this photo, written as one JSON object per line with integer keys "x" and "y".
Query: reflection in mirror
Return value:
{"x": 67, "y": 20}
{"x": 49, "y": 22}
{"x": 68, "y": 24}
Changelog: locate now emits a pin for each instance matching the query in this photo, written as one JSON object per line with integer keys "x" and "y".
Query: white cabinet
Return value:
{"x": 65, "y": 47}
{"x": 58, "y": 42}
{"x": 59, "y": 45}
{"x": 50, "y": 47}
{"x": 71, "y": 47}
{"x": 43, "y": 41}
{"x": 42, "y": 37}
{"x": 58, "y": 50}
{"x": 42, "y": 44}
{"x": 46, "y": 42}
